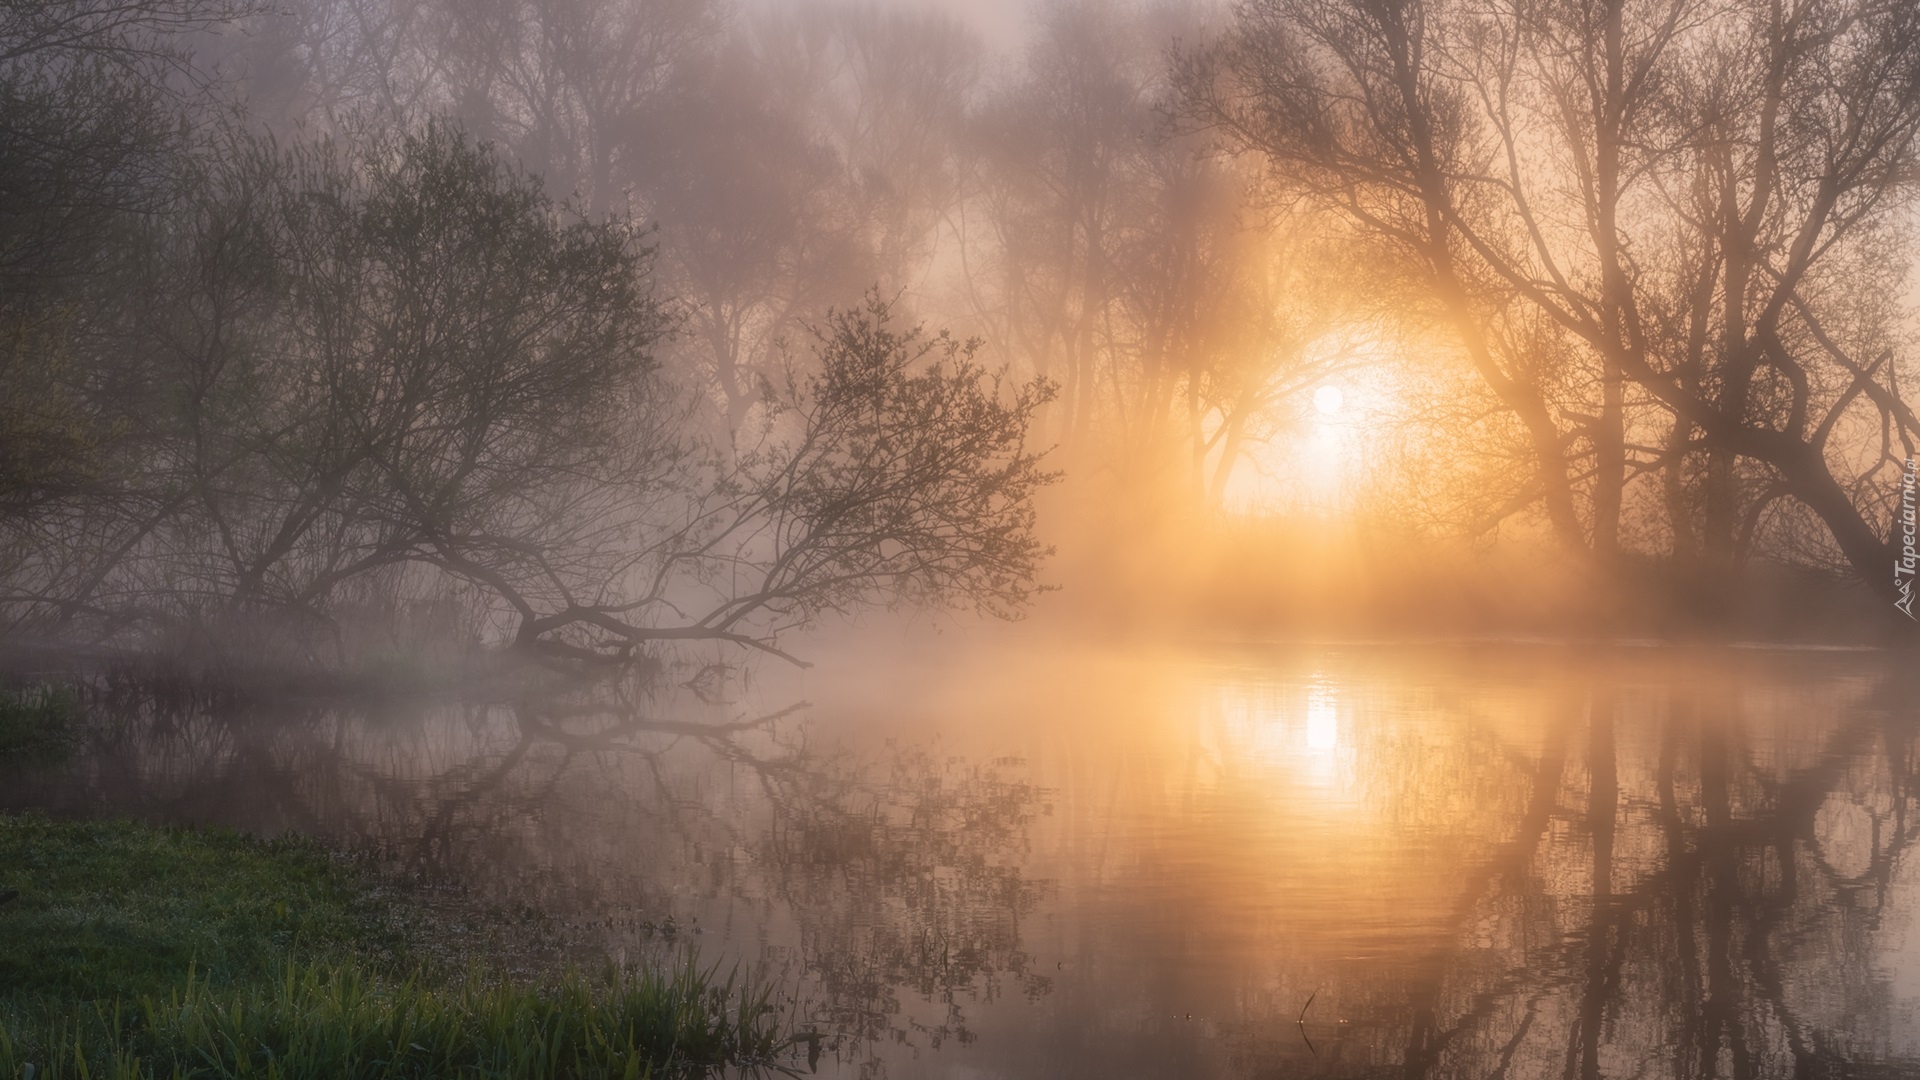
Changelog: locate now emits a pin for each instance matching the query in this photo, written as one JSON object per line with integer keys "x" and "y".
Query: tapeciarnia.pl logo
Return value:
{"x": 1903, "y": 564}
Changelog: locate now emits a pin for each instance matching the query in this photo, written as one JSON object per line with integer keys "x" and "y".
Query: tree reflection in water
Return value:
{"x": 1696, "y": 882}
{"x": 1540, "y": 865}
{"x": 889, "y": 883}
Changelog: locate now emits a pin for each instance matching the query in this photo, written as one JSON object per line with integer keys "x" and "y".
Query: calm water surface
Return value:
{"x": 1471, "y": 862}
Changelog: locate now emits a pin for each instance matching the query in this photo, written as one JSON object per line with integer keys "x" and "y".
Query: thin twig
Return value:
{"x": 1303, "y": 1023}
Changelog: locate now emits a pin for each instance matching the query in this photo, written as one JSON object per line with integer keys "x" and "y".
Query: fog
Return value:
{"x": 596, "y": 325}
{"x": 1300, "y": 537}
{"x": 1268, "y": 338}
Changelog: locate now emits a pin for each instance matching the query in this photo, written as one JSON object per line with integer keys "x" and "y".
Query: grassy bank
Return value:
{"x": 139, "y": 952}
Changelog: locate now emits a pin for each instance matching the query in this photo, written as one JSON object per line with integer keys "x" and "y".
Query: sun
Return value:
{"x": 1329, "y": 399}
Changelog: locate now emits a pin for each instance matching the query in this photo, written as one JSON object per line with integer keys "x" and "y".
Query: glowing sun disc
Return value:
{"x": 1328, "y": 400}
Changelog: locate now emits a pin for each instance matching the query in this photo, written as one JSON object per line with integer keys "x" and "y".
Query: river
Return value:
{"x": 1471, "y": 861}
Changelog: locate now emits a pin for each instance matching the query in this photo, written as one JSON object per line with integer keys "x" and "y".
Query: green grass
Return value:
{"x": 37, "y": 724}
{"x": 117, "y": 910}
{"x": 334, "y": 1021}
{"x": 141, "y": 952}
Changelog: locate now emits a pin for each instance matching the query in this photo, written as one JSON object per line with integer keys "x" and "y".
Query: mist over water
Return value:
{"x": 1300, "y": 538}
{"x": 1060, "y": 861}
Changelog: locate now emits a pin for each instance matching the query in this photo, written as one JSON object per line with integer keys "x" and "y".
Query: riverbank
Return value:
{"x": 129, "y": 951}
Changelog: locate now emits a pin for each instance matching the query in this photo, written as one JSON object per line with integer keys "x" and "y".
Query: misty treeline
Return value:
{"x": 256, "y": 379}
{"x": 600, "y": 316}
{"x": 1668, "y": 238}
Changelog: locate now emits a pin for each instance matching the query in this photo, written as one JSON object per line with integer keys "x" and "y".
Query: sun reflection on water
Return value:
{"x": 1323, "y": 718}
{"x": 1290, "y": 734}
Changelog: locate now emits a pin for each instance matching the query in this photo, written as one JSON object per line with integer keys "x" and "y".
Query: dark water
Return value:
{"x": 1466, "y": 862}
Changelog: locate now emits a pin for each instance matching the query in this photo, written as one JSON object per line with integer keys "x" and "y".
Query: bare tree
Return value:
{"x": 893, "y": 469}
{"x": 807, "y": 159}
{"x": 94, "y": 97}
{"x": 404, "y": 358}
{"x": 321, "y": 372}
{"x": 755, "y": 229}
{"x": 1659, "y": 198}
{"x": 1142, "y": 266}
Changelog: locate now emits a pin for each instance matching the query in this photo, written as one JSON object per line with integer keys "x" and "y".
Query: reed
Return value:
{"x": 137, "y": 952}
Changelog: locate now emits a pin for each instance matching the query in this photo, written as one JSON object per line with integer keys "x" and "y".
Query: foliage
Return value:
{"x": 90, "y": 130}
{"x": 395, "y": 363}
{"x": 325, "y": 368}
{"x": 893, "y": 468}
{"x": 37, "y": 723}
